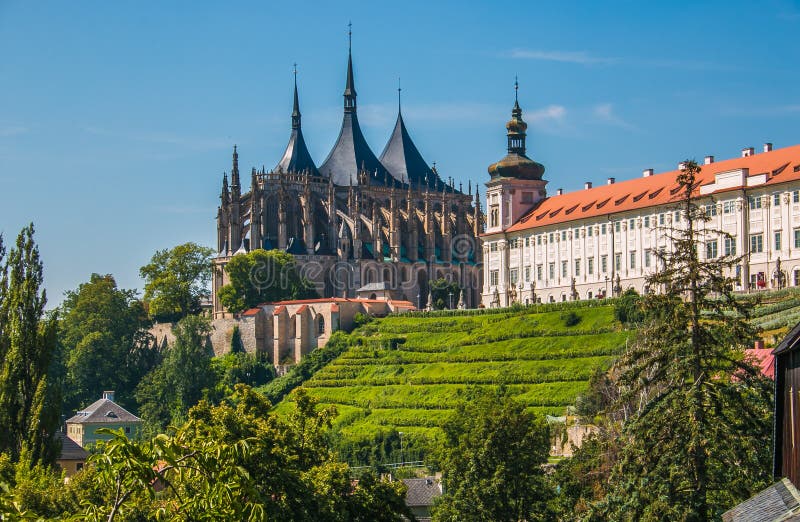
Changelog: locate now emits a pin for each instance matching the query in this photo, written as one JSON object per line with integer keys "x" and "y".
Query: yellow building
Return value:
{"x": 104, "y": 413}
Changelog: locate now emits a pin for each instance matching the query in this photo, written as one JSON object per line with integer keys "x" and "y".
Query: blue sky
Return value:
{"x": 117, "y": 119}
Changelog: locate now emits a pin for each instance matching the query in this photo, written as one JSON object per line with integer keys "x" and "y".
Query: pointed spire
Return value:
{"x": 235, "y": 185}
{"x": 350, "y": 87}
{"x": 398, "y": 95}
{"x": 296, "y": 108}
{"x": 224, "y": 195}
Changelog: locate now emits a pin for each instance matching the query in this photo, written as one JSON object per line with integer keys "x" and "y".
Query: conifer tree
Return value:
{"x": 697, "y": 438}
{"x": 29, "y": 400}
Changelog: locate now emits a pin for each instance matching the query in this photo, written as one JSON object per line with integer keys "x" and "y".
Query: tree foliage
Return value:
{"x": 178, "y": 383}
{"x": 30, "y": 400}
{"x": 445, "y": 293}
{"x": 492, "y": 462}
{"x": 107, "y": 346}
{"x": 628, "y": 308}
{"x": 698, "y": 413}
{"x": 176, "y": 280}
{"x": 262, "y": 276}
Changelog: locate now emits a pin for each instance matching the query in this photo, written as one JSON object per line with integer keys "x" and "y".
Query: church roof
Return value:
{"x": 351, "y": 153}
{"x": 763, "y": 169}
{"x": 403, "y": 160}
{"x": 296, "y": 158}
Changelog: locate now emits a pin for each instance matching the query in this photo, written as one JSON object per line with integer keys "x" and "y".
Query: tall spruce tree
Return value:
{"x": 700, "y": 423}
{"x": 29, "y": 401}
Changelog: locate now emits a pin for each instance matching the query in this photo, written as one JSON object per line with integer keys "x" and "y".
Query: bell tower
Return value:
{"x": 516, "y": 183}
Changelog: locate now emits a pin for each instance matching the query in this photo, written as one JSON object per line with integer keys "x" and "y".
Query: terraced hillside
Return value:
{"x": 405, "y": 373}
{"x": 776, "y": 312}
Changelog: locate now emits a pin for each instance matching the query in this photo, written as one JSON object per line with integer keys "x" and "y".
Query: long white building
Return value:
{"x": 601, "y": 240}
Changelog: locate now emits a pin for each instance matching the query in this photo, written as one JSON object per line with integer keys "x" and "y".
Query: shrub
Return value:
{"x": 570, "y": 318}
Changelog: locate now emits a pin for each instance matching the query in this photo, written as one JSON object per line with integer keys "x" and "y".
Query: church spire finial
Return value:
{"x": 235, "y": 185}
{"x": 350, "y": 87}
{"x": 516, "y": 89}
{"x": 296, "y": 108}
{"x": 398, "y": 94}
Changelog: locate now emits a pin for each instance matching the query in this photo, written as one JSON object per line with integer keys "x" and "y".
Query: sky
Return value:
{"x": 117, "y": 119}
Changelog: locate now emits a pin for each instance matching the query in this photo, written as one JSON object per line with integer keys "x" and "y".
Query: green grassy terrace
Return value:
{"x": 406, "y": 373}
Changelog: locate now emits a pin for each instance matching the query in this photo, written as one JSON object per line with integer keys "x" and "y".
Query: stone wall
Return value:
{"x": 220, "y": 338}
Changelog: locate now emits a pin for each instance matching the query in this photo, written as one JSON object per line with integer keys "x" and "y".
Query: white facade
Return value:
{"x": 567, "y": 259}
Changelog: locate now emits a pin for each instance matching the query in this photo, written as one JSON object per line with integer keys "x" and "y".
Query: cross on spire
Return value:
{"x": 516, "y": 88}
{"x": 398, "y": 93}
{"x": 350, "y": 34}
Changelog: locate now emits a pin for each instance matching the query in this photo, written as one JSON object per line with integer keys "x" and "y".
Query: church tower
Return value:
{"x": 516, "y": 183}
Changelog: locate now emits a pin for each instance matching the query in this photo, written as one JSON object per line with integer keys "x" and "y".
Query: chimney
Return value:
{"x": 708, "y": 160}
{"x": 109, "y": 395}
{"x": 587, "y": 185}
{"x": 748, "y": 151}
{"x": 559, "y": 192}
{"x": 611, "y": 181}
{"x": 682, "y": 165}
{"x": 646, "y": 173}
{"x": 768, "y": 147}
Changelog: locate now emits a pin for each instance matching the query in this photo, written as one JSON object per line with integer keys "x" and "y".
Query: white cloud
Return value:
{"x": 604, "y": 112}
{"x": 580, "y": 57}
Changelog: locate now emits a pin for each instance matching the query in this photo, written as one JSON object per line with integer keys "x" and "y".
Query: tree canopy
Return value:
{"x": 175, "y": 281}
{"x": 492, "y": 462}
{"x": 262, "y": 276}
{"x": 30, "y": 395}
{"x": 107, "y": 346}
{"x": 444, "y": 293}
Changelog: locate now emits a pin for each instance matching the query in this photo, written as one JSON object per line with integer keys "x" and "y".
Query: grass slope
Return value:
{"x": 407, "y": 372}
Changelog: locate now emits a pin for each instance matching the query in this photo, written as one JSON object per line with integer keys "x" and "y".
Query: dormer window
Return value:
{"x": 111, "y": 414}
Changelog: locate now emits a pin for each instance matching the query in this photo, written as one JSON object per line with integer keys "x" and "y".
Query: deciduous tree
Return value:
{"x": 176, "y": 280}
{"x": 262, "y": 276}
{"x": 30, "y": 400}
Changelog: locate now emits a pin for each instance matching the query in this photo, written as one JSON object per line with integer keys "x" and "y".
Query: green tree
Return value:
{"x": 262, "y": 276}
{"x": 445, "y": 293}
{"x": 699, "y": 414}
{"x": 492, "y": 462}
{"x": 176, "y": 280}
{"x": 628, "y": 308}
{"x": 171, "y": 388}
{"x": 106, "y": 344}
{"x": 30, "y": 402}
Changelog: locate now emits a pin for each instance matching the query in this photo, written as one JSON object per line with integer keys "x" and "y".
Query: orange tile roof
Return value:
{"x": 780, "y": 166}
{"x": 252, "y": 311}
{"x": 302, "y": 309}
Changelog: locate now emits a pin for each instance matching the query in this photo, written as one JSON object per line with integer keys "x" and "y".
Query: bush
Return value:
{"x": 628, "y": 309}
{"x": 570, "y": 318}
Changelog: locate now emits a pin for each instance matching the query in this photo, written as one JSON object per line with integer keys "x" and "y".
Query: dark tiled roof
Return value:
{"x": 103, "y": 411}
{"x": 422, "y": 491}
{"x": 777, "y": 502}
{"x": 70, "y": 449}
{"x": 297, "y": 158}
{"x": 403, "y": 160}
{"x": 350, "y": 155}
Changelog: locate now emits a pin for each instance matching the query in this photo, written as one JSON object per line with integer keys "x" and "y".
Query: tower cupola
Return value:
{"x": 516, "y": 164}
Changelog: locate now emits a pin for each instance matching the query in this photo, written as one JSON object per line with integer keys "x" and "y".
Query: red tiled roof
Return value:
{"x": 250, "y": 312}
{"x": 302, "y": 309}
{"x": 763, "y": 358}
{"x": 278, "y": 310}
{"x": 334, "y": 307}
{"x": 629, "y": 195}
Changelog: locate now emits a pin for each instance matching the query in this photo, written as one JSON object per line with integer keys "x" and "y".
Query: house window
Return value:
{"x": 563, "y": 235}
{"x": 778, "y": 240}
{"x": 493, "y": 246}
{"x": 494, "y": 216}
{"x": 127, "y": 430}
{"x": 631, "y": 224}
{"x": 589, "y": 231}
{"x": 796, "y": 196}
{"x": 604, "y": 264}
{"x": 321, "y": 326}
{"x": 661, "y": 219}
{"x": 647, "y": 222}
{"x": 563, "y": 269}
{"x": 633, "y": 259}
{"x": 577, "y": 267}
{"x": 538, "y": 272}
{"x": 577, "y": 234}
{"x": 756, "y": 243}
{"x": 79, "y": 466}
{"x": 590, "y": 266}
{"x": 603, "y": 229}
{"x": 797, "y": 237}
{"x": 711, "y": 210}
{"x": 551, "y": 237}
{"x": 493, "y": 276}
{"x": 527, "y": 273}
{"x": 776, "y": 200}
{"x": 551, "y": 270}
{"x": 677, "y": 217}
{"x": 617, "y": 261}
{"x": 711, "y": 249}
{"x": 730, "y": 245}
{"x": 527, "y": 241}
{"x": 513, "y": 275}
{"x": 755, "y": 202}
{"x": 728, "y": 207}
{"x": 617, "y": 226}
{"x": 539, "y": 239}
{"x": 647, "y": 258}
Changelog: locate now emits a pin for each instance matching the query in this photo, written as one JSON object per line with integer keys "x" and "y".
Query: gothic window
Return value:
{"x": 494, "y": 216}
{"x": 320, "y": 325}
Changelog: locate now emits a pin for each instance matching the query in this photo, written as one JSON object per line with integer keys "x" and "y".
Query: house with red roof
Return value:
{"x": 601, "y": 240}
